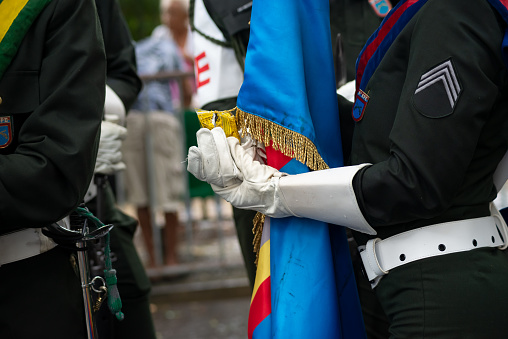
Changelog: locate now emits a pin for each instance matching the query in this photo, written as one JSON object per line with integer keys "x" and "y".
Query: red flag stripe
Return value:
{"x": 275, "y": 158}
{"x": 260, "y": 306}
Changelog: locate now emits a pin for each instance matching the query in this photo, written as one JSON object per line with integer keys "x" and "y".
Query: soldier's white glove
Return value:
{"x": 114, "y": 110}
{"x": 326, "y": 195}
{"x": 348, "y": 91}
{"x": 109, "y": 156}
{"x": 234, "y": 175}
{"x": 254, "y": 148}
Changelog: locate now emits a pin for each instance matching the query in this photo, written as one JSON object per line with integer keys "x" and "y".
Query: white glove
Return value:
{"x": 348, "y": 90}
{"x": 256, "y": 149}
{"x": 114, "y": 110}
{"x": 109, "y": 156}
{"x": 234, "y": 175}
{"x": 326, "y": 195}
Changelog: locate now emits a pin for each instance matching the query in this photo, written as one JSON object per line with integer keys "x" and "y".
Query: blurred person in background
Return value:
{"x": 175, "y": 26}
{"x": 152, "y": 122}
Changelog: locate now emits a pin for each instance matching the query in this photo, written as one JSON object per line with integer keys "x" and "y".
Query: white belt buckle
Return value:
{"x": 373, "y": 271}
{"x": 500, "y": 224}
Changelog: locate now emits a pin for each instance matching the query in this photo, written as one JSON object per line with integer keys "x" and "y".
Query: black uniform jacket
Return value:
{"x": 53, "y": 91}
{"x": 435, "y": 126}
{"x": 121, "y": 72}
{"x": 355, "y": 20}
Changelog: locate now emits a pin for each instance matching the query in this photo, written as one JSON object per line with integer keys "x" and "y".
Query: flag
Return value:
{"x": 305, "y": 285}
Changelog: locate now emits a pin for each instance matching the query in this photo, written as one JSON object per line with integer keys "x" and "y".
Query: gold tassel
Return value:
{"x": 257, "y": 230}
{"x": 224, "y": 119}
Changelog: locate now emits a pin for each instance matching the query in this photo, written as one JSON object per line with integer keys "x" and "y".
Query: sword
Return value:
{"x": 84, "y": 275}
{"x": 103, "y": 317}
{"x": 76, "y": 237}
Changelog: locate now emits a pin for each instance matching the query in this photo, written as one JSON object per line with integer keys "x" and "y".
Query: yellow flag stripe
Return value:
{"x": 9, "y": 10}
{"x": 263, "y": 270}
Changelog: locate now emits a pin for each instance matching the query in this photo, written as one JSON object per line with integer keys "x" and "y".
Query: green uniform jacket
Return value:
{"x": 431, "y": 163}
{"x": 54, "y": 92}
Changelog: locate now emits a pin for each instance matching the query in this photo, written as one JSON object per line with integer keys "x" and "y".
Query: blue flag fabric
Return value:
{"x": 288, "y": 101}
{"x": 314, "y": 293}
{"x": 289, "y": 76}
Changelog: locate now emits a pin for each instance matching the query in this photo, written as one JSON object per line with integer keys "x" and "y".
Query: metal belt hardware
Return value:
{"x": 380, "y": 256}
{"x": 23, "y": 244}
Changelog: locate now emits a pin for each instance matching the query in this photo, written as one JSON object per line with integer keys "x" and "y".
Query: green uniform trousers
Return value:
{"x": 442, "y": 297}
{"x": 41, "y": 297}
{"x": 376, "y": 322}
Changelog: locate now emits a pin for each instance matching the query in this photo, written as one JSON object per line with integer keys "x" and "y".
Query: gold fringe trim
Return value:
{"x": 290, "y": 143}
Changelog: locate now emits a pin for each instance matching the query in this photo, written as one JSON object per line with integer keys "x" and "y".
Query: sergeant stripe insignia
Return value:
{"x": 438, "y": 91}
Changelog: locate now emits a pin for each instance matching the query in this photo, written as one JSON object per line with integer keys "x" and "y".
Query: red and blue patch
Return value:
{"x": 361, "y": 100}
{"x": 5, "y": 131}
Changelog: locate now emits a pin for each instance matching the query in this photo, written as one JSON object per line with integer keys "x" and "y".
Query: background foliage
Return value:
{"x": 142, "y": 16}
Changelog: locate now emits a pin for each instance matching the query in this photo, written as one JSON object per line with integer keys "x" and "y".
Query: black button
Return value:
{"x": 441, "y": 247}
{"x": 402, "y": 257}
{"x": 475, "y": 243}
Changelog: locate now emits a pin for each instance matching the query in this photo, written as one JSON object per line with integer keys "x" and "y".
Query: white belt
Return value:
{"x": 26, "y": 243}
{"x": 23, "y": 244}
{"x": 380, "y": 256}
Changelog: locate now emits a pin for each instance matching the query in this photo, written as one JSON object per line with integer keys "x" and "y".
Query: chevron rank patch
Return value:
{"x": 438, "y": 91}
